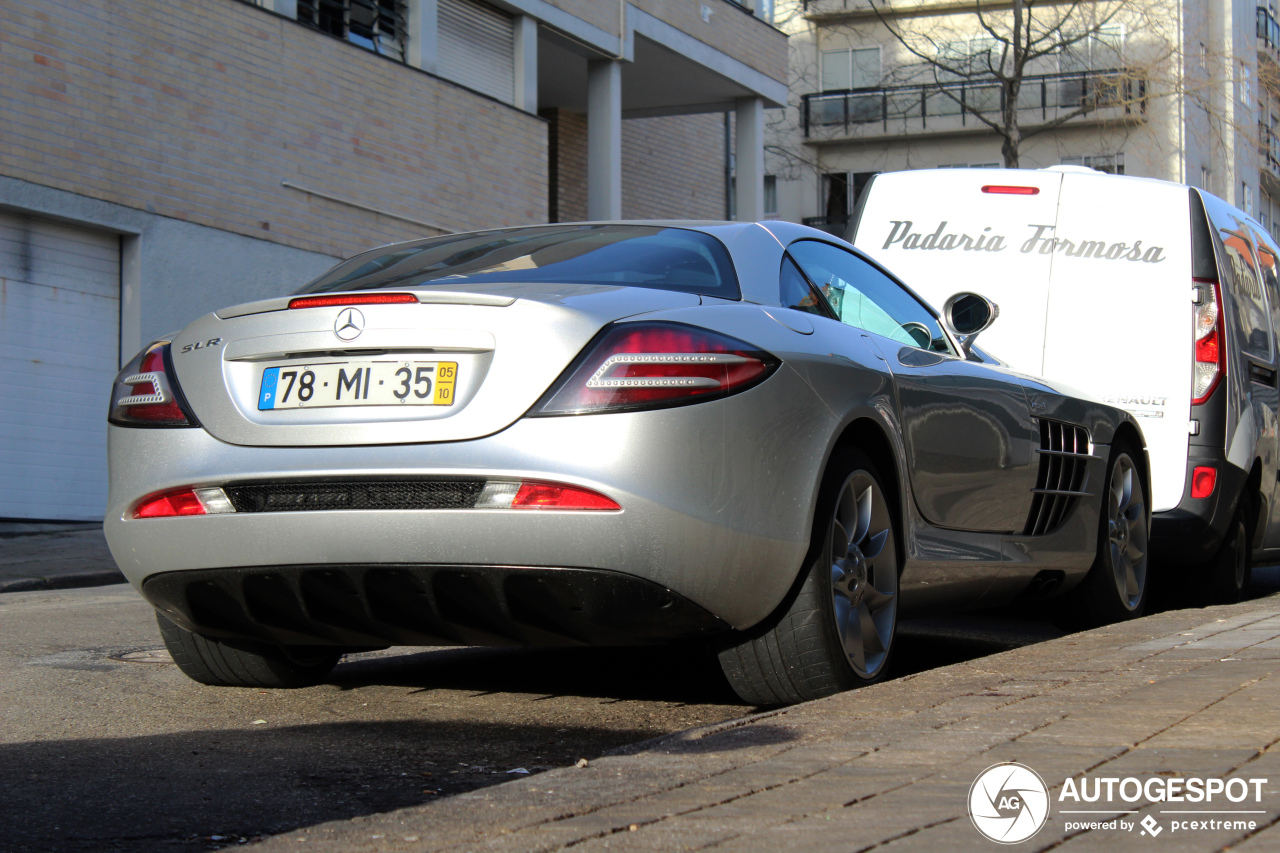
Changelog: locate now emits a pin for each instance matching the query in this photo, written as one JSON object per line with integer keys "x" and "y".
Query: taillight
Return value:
{"x": 145, "y": 393}
{"x": 209, "y": 501}
{"x": 633, "y": 366}
{"x": 1208, "y": 332}
{"x": 364, "y": 299}
{"x": 536, "y": 494}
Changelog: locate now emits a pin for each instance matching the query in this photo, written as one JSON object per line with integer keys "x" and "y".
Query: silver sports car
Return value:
{"x": 608, "y": 433}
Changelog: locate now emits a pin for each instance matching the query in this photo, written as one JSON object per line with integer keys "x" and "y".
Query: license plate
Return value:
{"x": 357, "y": 383}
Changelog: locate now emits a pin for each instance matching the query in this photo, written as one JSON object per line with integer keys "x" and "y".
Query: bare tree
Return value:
{"x": 971, "y": 57}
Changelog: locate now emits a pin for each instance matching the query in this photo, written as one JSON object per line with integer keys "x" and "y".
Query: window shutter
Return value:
{"x": 477, "y": 47}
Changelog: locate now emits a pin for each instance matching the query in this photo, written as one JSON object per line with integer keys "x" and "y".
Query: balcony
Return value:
{"x": 1112, "y": 95}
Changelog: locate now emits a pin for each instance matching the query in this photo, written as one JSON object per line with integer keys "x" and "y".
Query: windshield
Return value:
{"x": 631, "y": 255}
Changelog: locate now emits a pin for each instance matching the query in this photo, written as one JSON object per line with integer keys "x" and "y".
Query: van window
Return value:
{"x": 1245, "y": 285}
{"x": 864, "y": 297}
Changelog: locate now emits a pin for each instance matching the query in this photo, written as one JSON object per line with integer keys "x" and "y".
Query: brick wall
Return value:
{"x": 198, "y": 109}
{"x": 731, "y": 29}
{"x": 672, "y": 167}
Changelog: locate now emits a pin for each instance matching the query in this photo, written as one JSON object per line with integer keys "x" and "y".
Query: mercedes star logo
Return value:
{"x": 349, "y": 325}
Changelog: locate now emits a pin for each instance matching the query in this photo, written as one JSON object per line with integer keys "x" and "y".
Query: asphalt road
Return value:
{"x": 106, "y": 747}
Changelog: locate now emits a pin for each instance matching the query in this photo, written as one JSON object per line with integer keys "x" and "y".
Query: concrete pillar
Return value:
{"x": 604, "y": 139}
{"x": 422, "y": 26}
{"x": 749, "y": 157}
{"x": 526, "y": 63}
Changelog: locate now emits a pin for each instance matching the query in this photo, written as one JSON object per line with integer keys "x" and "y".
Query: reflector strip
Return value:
{"x": 1203, "y": 479}
{"x": 1010, "y": 190}
{"x": 352, "y": 299}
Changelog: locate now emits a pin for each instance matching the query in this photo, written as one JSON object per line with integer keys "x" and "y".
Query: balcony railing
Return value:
{"x": 1043, "y": 93}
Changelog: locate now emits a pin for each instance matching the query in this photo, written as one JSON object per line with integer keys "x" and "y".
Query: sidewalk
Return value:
{"x": 35, "y": 557}
{"x": 1191, "y": 693}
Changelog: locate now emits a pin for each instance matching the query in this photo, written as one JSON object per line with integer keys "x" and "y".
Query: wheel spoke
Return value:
{"x": 854, "y": 646}
{"x": 876, "y": 600}
{"x": 839, "y": 540}
{"x": 875, "y": 545}
{"x": 871, "y": 642}
{"x": 864, "y": 504}
{"x": 1130, "y": 577}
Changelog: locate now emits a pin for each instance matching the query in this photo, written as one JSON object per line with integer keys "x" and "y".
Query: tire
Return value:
{"x": 1231, "y": 571}
{"x": 244, "y": 664}
{"x": 1117, "y": 584}
{"x": 835, "y": 630}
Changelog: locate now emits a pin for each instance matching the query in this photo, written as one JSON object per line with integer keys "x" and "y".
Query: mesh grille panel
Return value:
{"x": 371, "y": 494}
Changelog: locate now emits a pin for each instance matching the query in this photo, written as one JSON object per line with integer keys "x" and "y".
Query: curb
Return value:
{"x": 70, "y": 580}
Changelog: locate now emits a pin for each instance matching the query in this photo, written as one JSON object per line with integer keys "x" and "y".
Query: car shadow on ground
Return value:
{"x": 180, "y": 790}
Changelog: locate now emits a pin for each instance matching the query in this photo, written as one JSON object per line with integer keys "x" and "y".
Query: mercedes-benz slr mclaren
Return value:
{"x": 745, "y": 434}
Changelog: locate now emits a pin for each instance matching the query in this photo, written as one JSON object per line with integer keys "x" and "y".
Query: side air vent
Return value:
{"x": 1064, "y": 459}
{"x": 362, "y": 494}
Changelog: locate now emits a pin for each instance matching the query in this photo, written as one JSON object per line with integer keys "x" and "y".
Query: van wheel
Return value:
{"x": 836, "y": 629}
{"x": 1116, "y": 587}
{"x": 1231, "y": 572}
{"x": 244, "y": 664}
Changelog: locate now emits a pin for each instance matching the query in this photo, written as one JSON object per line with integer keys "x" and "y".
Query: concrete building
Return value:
{"x": 162, "y": 158}
{"x": 1183, "y": 92}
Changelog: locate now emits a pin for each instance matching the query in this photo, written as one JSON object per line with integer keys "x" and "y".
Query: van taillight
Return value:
{"x": 1003, "y": 189}
{"x": 1208, "y": 332}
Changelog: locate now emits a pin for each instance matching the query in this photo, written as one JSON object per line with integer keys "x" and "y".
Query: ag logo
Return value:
{"x": 349, "y": 325}
{"x": 1008, "y": 803}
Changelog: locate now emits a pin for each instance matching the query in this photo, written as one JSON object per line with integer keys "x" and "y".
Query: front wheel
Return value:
{"x": 837, "y": 627}
{"x": 1116, "y": 587}
{"x": 244, "y": 664}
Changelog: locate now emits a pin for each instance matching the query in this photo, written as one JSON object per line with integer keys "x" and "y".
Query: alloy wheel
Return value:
{"x": 1127, "y": 532}
{"x": 864, "y": 574}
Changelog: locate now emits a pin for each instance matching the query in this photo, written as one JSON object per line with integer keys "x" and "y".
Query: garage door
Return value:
{"x": 59, "y": 350}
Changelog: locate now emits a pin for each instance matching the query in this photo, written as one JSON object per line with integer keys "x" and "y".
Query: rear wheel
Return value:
{"x": 244, "y": 664}
{"x": 1232, "y": 569}
{"x": 1116, "y": 587}
{"x": 836, "y": 630}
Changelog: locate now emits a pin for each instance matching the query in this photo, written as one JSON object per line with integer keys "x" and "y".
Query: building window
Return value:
{"x": 770, "y": 196}
{"x": 376, "y": 25}
{"x": 850, "y": 69}
{"x": 1112, "y": 164}
{"x": 477, "y": 47}
{"x": 1204, "y": 179}
{"x": 1246, "y": 198}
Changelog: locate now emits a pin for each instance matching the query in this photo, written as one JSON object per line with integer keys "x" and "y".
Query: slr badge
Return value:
{"x": 349, "y": 325}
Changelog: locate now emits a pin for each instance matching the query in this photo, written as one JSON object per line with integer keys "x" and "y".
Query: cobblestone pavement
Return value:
{"x": 49, "y": 556}
{"x": 1190, "y": 693}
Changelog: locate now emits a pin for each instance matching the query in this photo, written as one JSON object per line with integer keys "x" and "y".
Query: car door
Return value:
{"x": 967, "y": 427}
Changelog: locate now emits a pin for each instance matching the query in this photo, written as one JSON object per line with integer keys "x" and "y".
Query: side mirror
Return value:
{"x": 968, "y": 315}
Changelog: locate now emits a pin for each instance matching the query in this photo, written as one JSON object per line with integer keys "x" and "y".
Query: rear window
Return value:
{"x": 630, "y": 255}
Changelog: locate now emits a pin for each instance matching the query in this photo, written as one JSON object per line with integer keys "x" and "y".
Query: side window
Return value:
{"x": 1268, "y": 262}
{"x": 797, "y": 293}
{"x": 1242, "y": 286}
{"x": 1247, "y": 290}
{"x": 863, "y": 296}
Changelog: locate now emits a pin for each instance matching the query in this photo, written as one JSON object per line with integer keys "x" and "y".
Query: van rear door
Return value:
{"x": 1119, "y": 310}
{"x": 943, "y": 231}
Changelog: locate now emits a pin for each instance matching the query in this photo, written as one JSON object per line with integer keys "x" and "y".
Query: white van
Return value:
{"x": 1156, "y": 297}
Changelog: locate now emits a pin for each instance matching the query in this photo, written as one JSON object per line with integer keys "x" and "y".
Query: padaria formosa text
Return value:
{"x": 1041, "y": 240}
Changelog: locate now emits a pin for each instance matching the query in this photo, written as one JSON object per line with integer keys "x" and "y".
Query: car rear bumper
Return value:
{"x": 1188, "y": 536}
{"x": 717, "y": 500}
{"x": 361, "y": 606}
